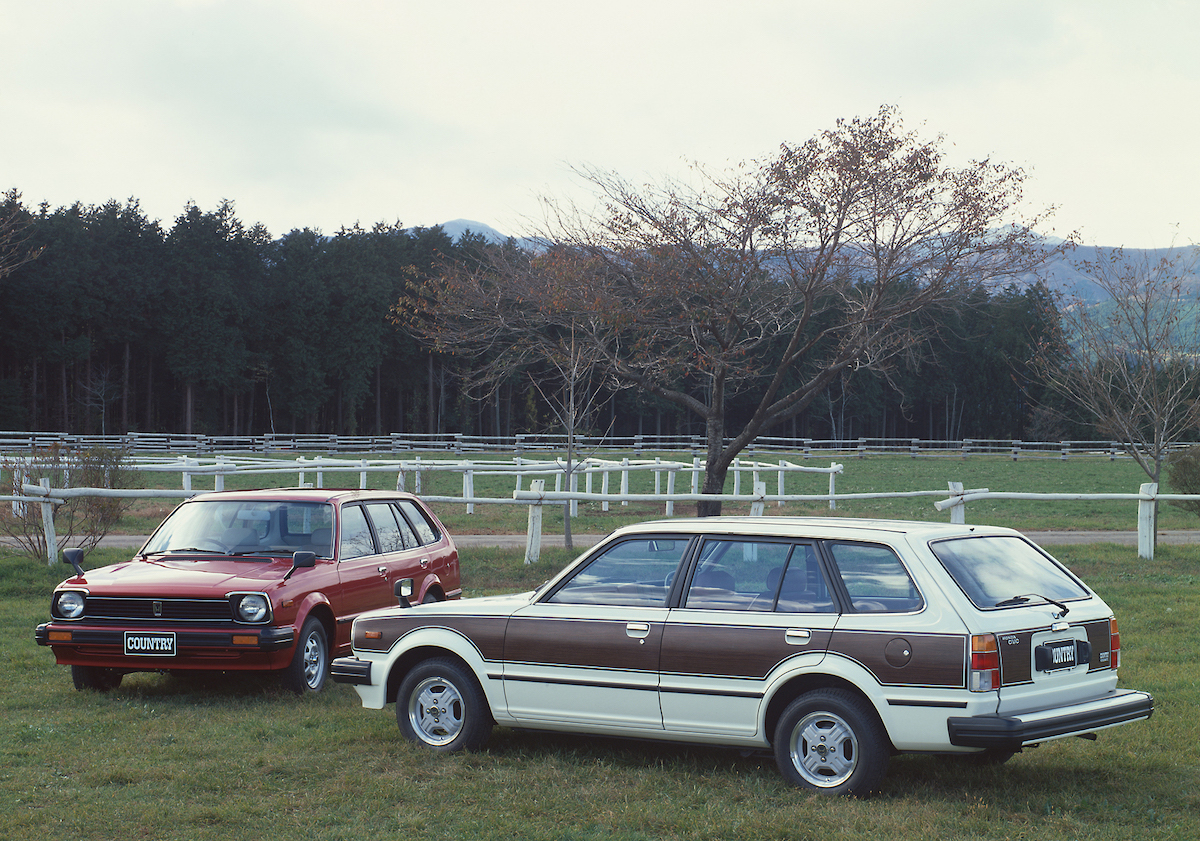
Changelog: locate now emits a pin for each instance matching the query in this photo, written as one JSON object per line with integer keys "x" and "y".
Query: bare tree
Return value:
{"x": 1132, "y": 360}
{"x": 14, "y": 234}
{"x": 772, "y": 280}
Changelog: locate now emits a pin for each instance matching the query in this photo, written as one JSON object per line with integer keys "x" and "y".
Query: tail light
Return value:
{"x": 1114, "y": 646}
{"x": 985, "y": 663}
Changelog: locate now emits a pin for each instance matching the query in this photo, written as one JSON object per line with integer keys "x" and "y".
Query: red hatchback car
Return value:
{"x": 250, "y": 580}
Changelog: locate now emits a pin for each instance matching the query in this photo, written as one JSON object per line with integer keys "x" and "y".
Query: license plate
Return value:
{"x": 1055, "y": 655}
{"x": 150, "y": 643}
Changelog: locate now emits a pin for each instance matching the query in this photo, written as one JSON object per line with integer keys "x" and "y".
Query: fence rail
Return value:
{"x": 458, "y": 443}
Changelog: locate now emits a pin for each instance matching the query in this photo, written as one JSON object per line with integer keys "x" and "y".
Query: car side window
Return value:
{"x": 424, "y": 529}
{"x": 803, "y": 588}
{"x": 635, "y": 573}
{"x": 383, "y": 517}
{"x": 875, "y": 579}
{"x": 736, "y": 574}
{"x": 356, "y": 538}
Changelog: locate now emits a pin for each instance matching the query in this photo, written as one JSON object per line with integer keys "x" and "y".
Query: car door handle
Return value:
{"x": 798, "y": 636}
{"x": 383, "y": 571}
{"x": 424, "y": 563}
{"x": 637, "y": 630}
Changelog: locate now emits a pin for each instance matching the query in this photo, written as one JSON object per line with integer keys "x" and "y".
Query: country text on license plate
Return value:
{"x": 1055, "y": 655}
{"x": 150, "y": 643}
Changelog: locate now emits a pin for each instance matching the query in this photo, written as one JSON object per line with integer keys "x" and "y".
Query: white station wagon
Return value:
{"x": 832, "y": 642}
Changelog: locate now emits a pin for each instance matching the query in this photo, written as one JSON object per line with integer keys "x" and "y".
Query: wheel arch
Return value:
{"x": 800, "y": 684}
{"x": 402, "y": 665}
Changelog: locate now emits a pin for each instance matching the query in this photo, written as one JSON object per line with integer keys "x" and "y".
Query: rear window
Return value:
{"x": 1001, "y": 571}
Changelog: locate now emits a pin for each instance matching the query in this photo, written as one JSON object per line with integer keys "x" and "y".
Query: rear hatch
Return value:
{"x": 1039, "y": 635}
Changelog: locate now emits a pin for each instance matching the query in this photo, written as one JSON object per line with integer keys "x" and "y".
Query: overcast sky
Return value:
{"x": 324, "y": 114}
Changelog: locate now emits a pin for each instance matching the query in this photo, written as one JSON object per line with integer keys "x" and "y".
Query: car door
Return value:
{"x": 363, "y": 578}
{"x": 751, "y": 605}
{"x": 586, "y": 653}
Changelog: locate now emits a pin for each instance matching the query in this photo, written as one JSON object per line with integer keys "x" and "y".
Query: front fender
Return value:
{"x": 389, "y": 668}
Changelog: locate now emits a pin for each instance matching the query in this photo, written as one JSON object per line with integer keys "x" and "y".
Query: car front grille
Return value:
{"x": 102, "y": 608}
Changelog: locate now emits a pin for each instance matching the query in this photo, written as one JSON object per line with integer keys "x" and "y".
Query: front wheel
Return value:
{"x": 441, "y": 705}
{"x": 95, "y": 677}
{"x": 310, "y": 662}
{"x": 830, "y": 740}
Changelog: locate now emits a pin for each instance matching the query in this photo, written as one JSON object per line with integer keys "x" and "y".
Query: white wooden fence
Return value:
{"x": 536, "y": 496}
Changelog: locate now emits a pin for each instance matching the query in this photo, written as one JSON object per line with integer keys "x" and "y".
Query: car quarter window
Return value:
{"x": 760, "y": 575}
{"x": 356, "y": 539}
{"x": 875, "y": 579}
{"x": 636, "y": 573}
{"x": 425, "y": 532}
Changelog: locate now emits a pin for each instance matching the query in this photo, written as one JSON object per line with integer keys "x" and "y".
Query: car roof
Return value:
{"x": 340, "y": 495}
{"x": 821, "y": 527}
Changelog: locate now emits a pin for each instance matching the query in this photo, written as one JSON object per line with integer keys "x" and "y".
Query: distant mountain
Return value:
{"x": 457, "y": 227}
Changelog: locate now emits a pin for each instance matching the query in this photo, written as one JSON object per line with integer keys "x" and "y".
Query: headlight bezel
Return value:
{"x": 76, "y": 598}
{"x": 251, "y": 608}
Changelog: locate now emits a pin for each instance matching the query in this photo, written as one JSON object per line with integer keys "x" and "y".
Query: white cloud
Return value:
{"x": 325, "y": 114}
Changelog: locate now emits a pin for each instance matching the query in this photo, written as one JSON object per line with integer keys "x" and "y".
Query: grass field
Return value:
{"x": 235, "y": 757}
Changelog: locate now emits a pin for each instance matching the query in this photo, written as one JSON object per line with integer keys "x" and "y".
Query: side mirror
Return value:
{"x": 75, "y": 559}
{"x": 301, "y": 560}
{"x": 404, "y": 591}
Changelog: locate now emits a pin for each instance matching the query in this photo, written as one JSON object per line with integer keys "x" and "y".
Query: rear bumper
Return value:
{"x": 1012, "y": 732}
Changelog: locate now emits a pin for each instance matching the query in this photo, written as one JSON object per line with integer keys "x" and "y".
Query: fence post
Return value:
{"x": 782, "y": 464}
{"x": 604, "y": 489}
{"x": 400, "y": 479}
{"x": 48, "y": 526}
{"x": 832, "y": 487}
{"x": 573, "y": 487}
{"x": 468, "y": 486}
{"x": 759, "y": 504}
{"x": 958, "y": 512}
{"x": 533, "y": 535}
{"x": 737, "y": 477}
{"x": 1146, "y": 520}
{"x": 625, "y": 480}
{"x": 670, "y": 492}
{"x": 695, "y": 474}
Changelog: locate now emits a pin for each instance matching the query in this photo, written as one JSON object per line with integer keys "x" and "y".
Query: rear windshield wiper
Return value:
{"x": 1015, "y": 600}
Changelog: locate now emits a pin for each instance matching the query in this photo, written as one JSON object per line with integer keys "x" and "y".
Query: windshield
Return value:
{"x": 246, "y": 527}
{"x": 996, "y": 570}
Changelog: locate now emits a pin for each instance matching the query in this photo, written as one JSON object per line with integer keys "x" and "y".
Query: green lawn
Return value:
{"x": 235, "y": 757}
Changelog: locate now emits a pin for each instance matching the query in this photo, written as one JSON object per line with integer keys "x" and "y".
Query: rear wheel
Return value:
{"x": 441, "y": 705}
{"x": 830, "y": 740}
{"x": 97, "y": 678}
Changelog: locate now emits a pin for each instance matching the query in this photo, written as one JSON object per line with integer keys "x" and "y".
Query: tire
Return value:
{"x": 97, "y": 678}
{"x": 310, "y": 663}
{"x": 831, "y": 741}
{"x": 440, "y": 705}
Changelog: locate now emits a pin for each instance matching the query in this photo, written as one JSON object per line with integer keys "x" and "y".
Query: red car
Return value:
{"x": 264, "y": 580}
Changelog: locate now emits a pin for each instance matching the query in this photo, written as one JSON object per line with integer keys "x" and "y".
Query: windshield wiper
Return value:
{"x": 1023, "y": 599}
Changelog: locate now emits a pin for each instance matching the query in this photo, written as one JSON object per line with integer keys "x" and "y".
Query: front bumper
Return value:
{"x": 1012, "y": 732}
{"x": 351, "y": 670}
{"x": 111, "y": 640}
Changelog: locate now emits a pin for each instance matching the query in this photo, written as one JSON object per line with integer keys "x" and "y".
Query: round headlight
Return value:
{"x": 252, "y": 608}
{"x": 70, "y": 605}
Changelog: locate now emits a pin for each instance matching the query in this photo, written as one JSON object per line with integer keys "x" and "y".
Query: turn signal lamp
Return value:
{"x": 985, "y": 663}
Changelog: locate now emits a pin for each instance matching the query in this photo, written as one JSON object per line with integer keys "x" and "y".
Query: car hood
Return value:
{"x": 481, "y": 606}
{"x": 182, "y": 576}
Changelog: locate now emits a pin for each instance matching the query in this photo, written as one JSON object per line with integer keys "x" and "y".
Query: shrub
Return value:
{"x": 1183, "y": 474}
{"x": 81, "y": 520}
